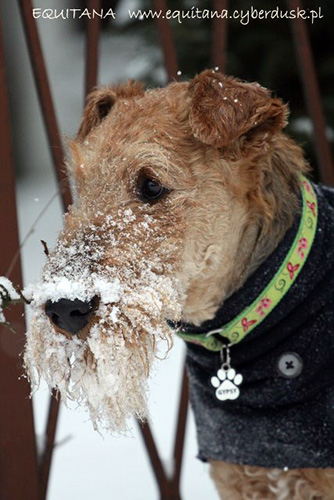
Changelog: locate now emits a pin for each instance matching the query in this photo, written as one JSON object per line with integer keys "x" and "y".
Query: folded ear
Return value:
{"x": 100, "y": 101}
{"x": 224, "y": 109}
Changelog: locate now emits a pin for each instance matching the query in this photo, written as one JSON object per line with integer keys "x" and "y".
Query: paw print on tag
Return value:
{"x": 226, "y": 383}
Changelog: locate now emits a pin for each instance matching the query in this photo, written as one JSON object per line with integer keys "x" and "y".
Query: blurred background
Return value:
{"x": 85, "y": 464}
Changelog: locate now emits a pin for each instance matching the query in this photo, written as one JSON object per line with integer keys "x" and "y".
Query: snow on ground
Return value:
{"x": 86, "y": 465}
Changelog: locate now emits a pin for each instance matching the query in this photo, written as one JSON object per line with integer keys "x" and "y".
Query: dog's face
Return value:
{"x": 198, "y": 146}
{"x": 168, "y": 198}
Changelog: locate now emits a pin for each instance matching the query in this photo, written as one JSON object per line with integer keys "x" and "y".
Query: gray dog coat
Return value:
{"x": 284, "y": 416}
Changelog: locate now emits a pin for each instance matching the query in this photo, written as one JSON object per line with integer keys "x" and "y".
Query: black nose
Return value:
{"x": 70, "y": 315}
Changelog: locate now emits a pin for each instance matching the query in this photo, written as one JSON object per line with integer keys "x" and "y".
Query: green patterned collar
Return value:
{"x": 269, "y": 298}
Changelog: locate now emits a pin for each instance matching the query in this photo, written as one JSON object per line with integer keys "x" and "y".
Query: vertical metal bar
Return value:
{"x": 219, "y": 38}
{"x": 92, "y": 47}
{"x": 312, "y": 94}
{"x": 166, "y": 36}
{"x": 50, "y": 434}
{"x": 155, "y": 460}
{"x": 42, "y": 84}
{"x": 18, "y": 455}
{"x": 181, "y": 429}
{"x": 168, "y": 487}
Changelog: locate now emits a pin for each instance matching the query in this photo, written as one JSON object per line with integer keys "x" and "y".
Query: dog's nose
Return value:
{"x": 70, "y": 315}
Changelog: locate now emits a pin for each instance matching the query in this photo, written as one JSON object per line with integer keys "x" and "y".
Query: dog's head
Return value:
{"x": 172, "y": 188}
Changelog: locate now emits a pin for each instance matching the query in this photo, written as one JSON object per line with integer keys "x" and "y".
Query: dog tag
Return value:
{"x": 227, "y": 380}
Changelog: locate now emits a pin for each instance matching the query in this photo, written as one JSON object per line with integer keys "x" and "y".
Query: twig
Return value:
{"x": 45, "y": 246}
{"x": 7, "y": 301}
{"x": 30, "y": 232}
{"x": 4, "y": 293}
{"x": 26, "y": 301}
{"x": 9, "y": 325}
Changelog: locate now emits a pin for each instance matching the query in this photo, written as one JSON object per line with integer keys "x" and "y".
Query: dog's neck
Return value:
{"x": 262, "y": 238}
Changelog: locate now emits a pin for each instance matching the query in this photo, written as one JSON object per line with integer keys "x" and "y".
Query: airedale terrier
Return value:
{"x": 192, "y": 213}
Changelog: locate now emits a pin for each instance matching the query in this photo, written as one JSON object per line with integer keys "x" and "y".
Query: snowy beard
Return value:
{"x": 106, "y": 371}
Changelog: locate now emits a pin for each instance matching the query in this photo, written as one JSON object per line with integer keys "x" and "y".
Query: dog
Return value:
{"x": 193, "y": 216}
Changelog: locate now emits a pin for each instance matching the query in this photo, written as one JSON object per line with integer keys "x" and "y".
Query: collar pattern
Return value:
{"x": 256, "y": 312}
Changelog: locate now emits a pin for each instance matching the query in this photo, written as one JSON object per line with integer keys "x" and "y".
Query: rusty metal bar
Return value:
{"x": 18, "y": 455}
{"x": 169, "y": 487}
{"x": 167, "y": 41}
{"x": 219, "y": 38}
{"x": 312, "y": 94}
{"x": 43, "y": 87}
{"x": 155, "y": 460}
{"x": 50, "y": 434}
{"x": 181, "y": 429}
{"x": 92, "y": 47}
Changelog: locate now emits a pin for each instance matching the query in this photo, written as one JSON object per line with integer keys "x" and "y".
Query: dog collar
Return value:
{"x": 256, "y": 312}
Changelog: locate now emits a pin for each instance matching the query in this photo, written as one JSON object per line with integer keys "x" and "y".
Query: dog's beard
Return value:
{"x": 107, "y": 371}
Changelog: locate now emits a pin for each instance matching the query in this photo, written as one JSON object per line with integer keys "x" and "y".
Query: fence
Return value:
{"x": 23, "y": 473}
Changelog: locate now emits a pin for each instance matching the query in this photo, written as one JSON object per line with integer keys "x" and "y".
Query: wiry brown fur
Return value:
{"x": 232, "y": 177}
{"x": 236, "y": 482}
{"x": 216, "y": 184}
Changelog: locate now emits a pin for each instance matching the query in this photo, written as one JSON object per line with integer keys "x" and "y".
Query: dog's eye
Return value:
{"x": 150, "y": 190}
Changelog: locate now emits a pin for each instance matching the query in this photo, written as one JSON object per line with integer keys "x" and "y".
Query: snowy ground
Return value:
{"x": 86, "y": 465}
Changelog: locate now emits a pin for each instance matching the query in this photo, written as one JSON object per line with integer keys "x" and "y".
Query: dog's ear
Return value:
{"x": 224, "y": 109}
{"x": 100, "y": 101}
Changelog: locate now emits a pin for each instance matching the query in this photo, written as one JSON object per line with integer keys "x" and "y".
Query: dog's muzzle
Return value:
{"x": 70, "y": 315}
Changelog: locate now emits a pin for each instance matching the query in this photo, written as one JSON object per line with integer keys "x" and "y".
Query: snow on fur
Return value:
{"x": 106, "y": 369}
{"x": 7, "y": 293}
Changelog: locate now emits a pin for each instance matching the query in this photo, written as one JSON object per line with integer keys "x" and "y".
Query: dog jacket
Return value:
{"x": 284, "y": 415}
